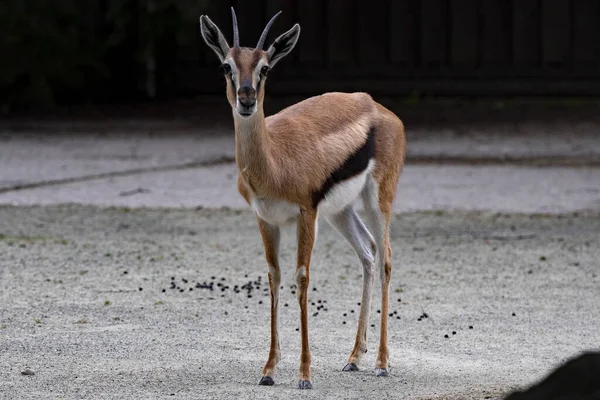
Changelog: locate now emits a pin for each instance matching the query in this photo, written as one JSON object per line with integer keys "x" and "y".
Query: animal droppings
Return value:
{"x": 470, "y": 326}
{"x": 454, "y": 332}
{"x": 446, "y": 336}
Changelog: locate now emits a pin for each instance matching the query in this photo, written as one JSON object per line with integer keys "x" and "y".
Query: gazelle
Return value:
{"x": 316, "y": 157}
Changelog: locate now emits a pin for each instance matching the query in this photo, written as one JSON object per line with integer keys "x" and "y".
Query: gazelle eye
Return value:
{"x": 226, "y": 69}
{"x": 264, "y": 70}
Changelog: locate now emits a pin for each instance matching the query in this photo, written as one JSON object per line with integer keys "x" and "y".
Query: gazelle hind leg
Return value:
{"x": 378, "y": 212}
{"x": 349, "y": 225}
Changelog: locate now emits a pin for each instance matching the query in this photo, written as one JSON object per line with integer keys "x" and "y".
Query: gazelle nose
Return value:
{"x": 247, "y": 96}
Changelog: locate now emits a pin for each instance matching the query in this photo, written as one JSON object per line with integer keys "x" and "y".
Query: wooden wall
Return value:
{"x": 437, "y": 47}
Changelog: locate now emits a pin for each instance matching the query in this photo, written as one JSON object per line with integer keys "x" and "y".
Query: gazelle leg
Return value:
{"x": 379, "y": 212}
{"x": 349, "y": 225}
{"x": 270, "y": 236}
{"x": 306, "y": 237}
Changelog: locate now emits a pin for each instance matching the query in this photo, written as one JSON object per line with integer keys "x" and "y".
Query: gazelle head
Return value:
{"x": 246, "y": 69}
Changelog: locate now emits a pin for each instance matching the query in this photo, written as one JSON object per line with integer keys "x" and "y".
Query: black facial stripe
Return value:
{"x": 354, "y": 165}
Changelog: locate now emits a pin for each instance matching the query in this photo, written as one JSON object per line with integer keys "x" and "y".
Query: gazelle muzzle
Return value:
{"x": 246, "y": 100}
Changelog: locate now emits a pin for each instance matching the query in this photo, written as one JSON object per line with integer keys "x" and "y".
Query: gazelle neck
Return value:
{"x": 253, "y": 149}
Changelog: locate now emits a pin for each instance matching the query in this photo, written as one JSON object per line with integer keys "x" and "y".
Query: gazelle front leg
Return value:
{"x": 270, "y": 236}
{"x": 306, "y": 240}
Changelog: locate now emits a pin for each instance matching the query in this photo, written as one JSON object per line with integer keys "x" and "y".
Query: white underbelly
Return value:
{"x": 345, "y": 193}
{"x": 340, "y": 196}
{"x": 276, "y": 212}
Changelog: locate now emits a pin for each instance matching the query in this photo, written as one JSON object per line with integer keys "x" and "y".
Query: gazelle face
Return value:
{"x": 246, "y": 69}
{"x": 246, "y": 72}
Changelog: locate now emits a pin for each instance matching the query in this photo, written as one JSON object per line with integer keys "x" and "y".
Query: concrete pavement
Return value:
{"x": 179, "y": 164}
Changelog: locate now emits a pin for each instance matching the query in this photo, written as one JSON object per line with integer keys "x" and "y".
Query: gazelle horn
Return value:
{"x": 236, "y": 32}
{"x": 264, "y": 34}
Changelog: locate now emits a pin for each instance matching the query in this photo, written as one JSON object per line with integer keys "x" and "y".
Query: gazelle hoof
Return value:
{"x": 304, "y": 385}
{"x": 266, "y": 381}
{"x": 381, "y": 372}
{"x": 350, "y": 367}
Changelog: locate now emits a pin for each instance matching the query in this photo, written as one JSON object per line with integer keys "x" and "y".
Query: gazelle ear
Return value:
{"x": 282, "y": 46}
{"x": 213, "y": 37}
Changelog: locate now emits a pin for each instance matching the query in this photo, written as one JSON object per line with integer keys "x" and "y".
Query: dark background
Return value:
{"x": 77, "y": 52}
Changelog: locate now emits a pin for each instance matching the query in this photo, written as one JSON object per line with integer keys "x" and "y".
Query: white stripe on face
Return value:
{"x": 256, "y": 76}
{"x": 235, "y": 75}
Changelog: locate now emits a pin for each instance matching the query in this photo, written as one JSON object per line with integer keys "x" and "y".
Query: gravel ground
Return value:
{"x": 87, "y": 305}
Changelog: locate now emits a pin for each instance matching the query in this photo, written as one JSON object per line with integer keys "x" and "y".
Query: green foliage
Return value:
{"x": 60, "y": 50}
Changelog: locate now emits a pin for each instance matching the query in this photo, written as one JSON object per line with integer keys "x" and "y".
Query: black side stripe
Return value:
{"x": 354, "y": 165}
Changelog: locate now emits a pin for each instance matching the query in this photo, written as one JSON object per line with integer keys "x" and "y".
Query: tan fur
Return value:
{"x": 306, "y": 239}
{"x": 383, "y": 351}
